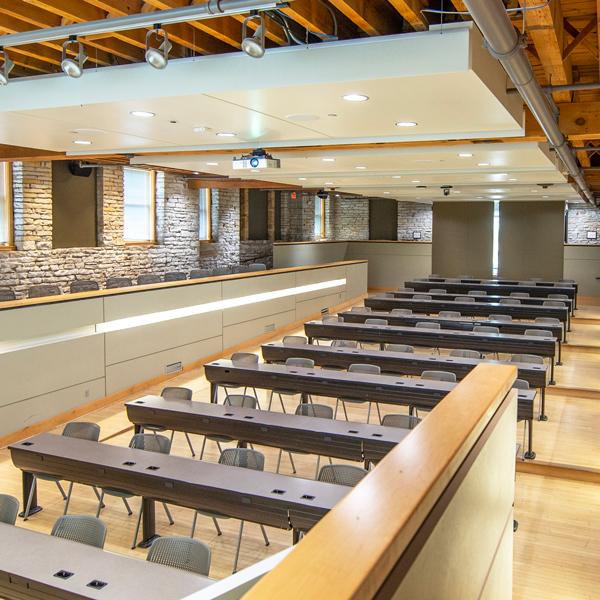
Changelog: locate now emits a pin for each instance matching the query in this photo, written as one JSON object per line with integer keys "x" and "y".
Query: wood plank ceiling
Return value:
{"x": 562, "y": 38}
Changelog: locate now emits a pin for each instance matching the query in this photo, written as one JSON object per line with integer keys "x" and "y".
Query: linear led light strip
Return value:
{"x": 166, "y": 315}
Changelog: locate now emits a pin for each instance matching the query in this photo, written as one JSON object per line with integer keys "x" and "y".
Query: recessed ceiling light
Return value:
{"x": 465, "y": 155}
{"x": 355, "y": 98}
{"x": 456, "y": 192}
{"x": 301, "y": 178}
{"x": 360, "y": 167}
{"x": 479, "y": 197}
{"x": 416, "y": 181}
{"x": 196, "y": 172}
{"x": 328, "y": 159}
{"x": 513, "y": 179}
{"x": 545, "y": 196}
{"x": 387, "y": 192}
{"x": 144, "y": 114}
{"x": 483, "y": 164}
{"x": 501, "y": 174}
{"x": 82, "y": 142}
{"x": 255, "y": 170}
{"x": 212, "y": 164}
{"x": 396, "y": 176}
{"x": 496, "y": 197}
{"x": 406, "y": 123}
{"x": 226, "y": 134}
{"x": 329, "y": 183}
{"x": 199, "y": 129}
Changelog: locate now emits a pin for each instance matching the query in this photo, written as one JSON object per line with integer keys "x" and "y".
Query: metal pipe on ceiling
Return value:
{"x": 572, "y": 87}
{"x": 504, "y": 43}
{"x": 195, "y": 12}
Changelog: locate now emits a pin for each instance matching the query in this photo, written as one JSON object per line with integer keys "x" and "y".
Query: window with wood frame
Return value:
{"x": 319, "y": 230}
{"x": 138, "y": 205}
{"x": 6, "y": 206}
{"x": 204, "y": 214}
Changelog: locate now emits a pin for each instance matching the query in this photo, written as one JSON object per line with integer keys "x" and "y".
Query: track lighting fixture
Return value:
{"x": 73, "y": 67}
{"x": 254, "y": 45}
{"x": 7, "y": 67}
{"x": 158, "y": 57}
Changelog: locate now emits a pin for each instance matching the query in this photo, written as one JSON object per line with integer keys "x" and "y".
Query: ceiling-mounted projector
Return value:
{"x": 257, "y": 159}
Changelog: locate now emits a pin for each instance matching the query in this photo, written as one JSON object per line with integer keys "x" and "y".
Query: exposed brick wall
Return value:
{"x": 580, "y": 220}
{"x": 351, "y": 219}
{"x": 414, "y": 216}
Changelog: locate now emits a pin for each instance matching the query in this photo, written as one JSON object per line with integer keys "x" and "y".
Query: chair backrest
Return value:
{"x": 452, "y": 280}
{"x": 402, "y": 311}
{"x": 428, "y": 325}
{"x": 175, "y": 276}
{"x": 221, "y": 271}
{"x": 524, "y": 283}
{"x": 322, "y": 411}
{"x": 563, "y": 281}
{"x": 536, "y": 279}
{"x": 510, "y": 301}
{"x": 401, "y": 421}
{"x": 538, "y": 332}
{"x": 244, "y": 358}
{"x": 332, "y": 319}
{"x": 148, "y": 278}
{"x": 435, "y": 275}
{"x": 341, "y": 474}
{"x": 40, "y": 291}
{"x": 257, "y": 267}
{"x": 521, "y": 384}
{"x": 399, "y": 348}
{"x": 547, "y": 321}
{"x": 9, "y": 508}
{"x": 297, "y": 361}
{"x": 151, "y": 443}
{"x": 82, "y": 430}
{"x": 361, "y": 368}
{"x": 246, "y": 458}
{"x": 176, "y": 393}
{"x": 117, "y": 282}
{"x": 519, "y": 294}
{"x": 181, "y": 553}
{"x": 449, "y": 314}
{"x": 558, "y": 296}
{"x": 199, "y": 273}
{"x": 6, "y": 295}
{"x": 437, "y": 291}
{"x": 360, "y": 309}
{"x": 241, "y": 400}
{"x": 294, "y": 340}
{"x": 554, "y": 303}
{"x": 344, "y": 344}
{"x": 500, "y": 318}
{"x": 527, "y": 358}
{"x": 376, "y": 322}
{"x": 439, "y": 376}
{"x": 463, "y": 276}
{"x": 485, "y": 329}
{"x": 464, "y": 299}
{"x": 83, "y": 285}
{"x": 460, "y": 353}
{"x": 477, "y": 293}
{"x": 421, "y": 297}
{"x": 80, "y": 528}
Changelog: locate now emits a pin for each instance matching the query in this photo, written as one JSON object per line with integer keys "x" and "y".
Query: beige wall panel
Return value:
{"x": 236, "y": 334}
{"x": 314, "y": 305}
{"x": 48, "y": 319}
{"x": 123, "y": 375}
{"x": 150, "y": 339}
{"x": 582, "y": 263}
{"x": 318, "y": 276}
{"x": 43, "y": 369}
{"x": 298, "y": 255}
{"x": 139, "y": 303}
{"x": 356, "y": 280}
{"x": 498, "y": 585}
{"x": 33, "y": 410}
{"x": 466, "y": 538}
{"x": 256, "y": 311}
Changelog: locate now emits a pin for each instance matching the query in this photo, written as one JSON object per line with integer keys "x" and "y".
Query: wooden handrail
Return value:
{"x": 351, "y": 552}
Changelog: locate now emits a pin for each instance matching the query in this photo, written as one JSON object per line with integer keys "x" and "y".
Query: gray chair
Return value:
{"x": 257, "y": 267}
{"x": 173, "y": 393}
{"x": 83, "y": 285}
{"x": 342, "y": 474}
{"x": 7, "y": 295}
{"x": 450, "y": 314}
{"x": 527, "y": 358}
{"x": 344, "y": 344}
{"x": 510, "y": 301}
{"x": 320, "y": 411}
{"x": 402, "y": 312}
{"x": 200, "y": 273}
{"x": 76, "y": 429}
{"x": 538, "y": 332}
{"x": 400, "y": 348}
{"x": 477, "y": 293}
{"x": 547, "y": 321}
{"x": 241, "y": 359}
{"x": 359, "y": 368}
{"x": 181, "y": 553}
{"x": 294, "y": 340}
{"x": 463, "y": 276}
{"x": 148, "y": 279}
{"x": 360, "y": 309}
{"x": 41, "y": 291}
{"x": 332, "y": 319}
{"x": 80, "y": 528}
{"x": 421, "y": 297}
{"x": 521, "y": 384}
{"x": 150, "y": 442}
{"x": 437, "y": 291}
{"x": 558, "y": 297}
{"x": 401, "y": 421}
{"x": 554, "y": 303}
{"x": 244, "y": 458}
{"x": 292, "y": 361}
{"x": 175, "y": 276}
{"x": 427, "y": 325}
{"x": 239, "y": 400}
{"x": 439, "y": 376}
{"x": 221, "y": 271}
{"x": 453, "y": 280}
{"x": 519, "y": 294}
{"x": 464, "y": 299}
{"x": 460, "y": 353}
{"x": 485, "y": 329}
{"x": 500, "y": 318}
{"x": 9, "y": 508}
{"x": 376, "y": 322}
{"x": 536, "y": 279}
{"x": 118, "y": 282}
{"x": 524, "y": 282}
{"x": 562, "y": 282}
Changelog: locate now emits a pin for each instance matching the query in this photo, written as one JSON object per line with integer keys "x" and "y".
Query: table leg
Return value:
{"x": 559, "y": 362}
{"x": 552, "y": 381}
{"x": 138, "y": 429}
{"x": 214, "y": 391}
{"x": 295, "y": 536}
{"x": 543, "y": 415}
{"x": 530, "y": 453}
{"x": 27, "y": 483}
{"x": 148, "y": 523}
{"x": 310, "y": 340}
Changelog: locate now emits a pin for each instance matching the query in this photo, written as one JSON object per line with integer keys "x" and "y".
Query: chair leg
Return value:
{"x": 369, "y": 412}
{"x": 168, "y": 513}
{"x": 270, "y": 400}
{"x": 281, "y": 402}
{"x": 187, "y": 437}
{"x": 203, "y": 446}
{"x": 262, "y": 528}
{"x": 292, "y": 461}
{"x": 172, "y": 436}
{"x": 219, "y": 447}
{"x": 256, "y": 396}
{"x": 216, "y": 523}
{"x": 137, "y": 525}
{"x": 61, "y": 490}
{"x": 345, "y": 411}
{"x": 378, "y": 411}
{"x": 279, "y": 460}
{"x": 337, "y": 402}
{"x": 237, "y": 550}
{"x": 318, "y": 465}
{"x": 100, "y": 504}
{"x": 194, "y": 524}
{"x": 30, "y": 498}
{"x": 68, "y": 498}
{"x": 97, "y": 493}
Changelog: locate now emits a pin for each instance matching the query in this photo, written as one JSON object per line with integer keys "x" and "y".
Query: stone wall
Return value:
{"x": 297, "y": 217}
{"x": 580, "y": 220}
{"x": 414, "y": 216}
{"x": 351, "y": 219}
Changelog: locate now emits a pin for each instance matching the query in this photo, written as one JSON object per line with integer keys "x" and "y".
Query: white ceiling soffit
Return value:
{"x": 446, "y": 82}
{"x": 495, "y": 171}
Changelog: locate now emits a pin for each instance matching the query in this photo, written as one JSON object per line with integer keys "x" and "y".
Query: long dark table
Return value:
{"x": 402, "y": 363}
{"x": 547, "y": 283}
{"x": 257, "y": 496}
{"x": 434, "y": 338}
{"x": 421, "y": 394}
{"x": 470, "y": 309}
{"x": 327, "y": 437}
{"x": 501, "y": 289}
{"x": 31, "y": 565}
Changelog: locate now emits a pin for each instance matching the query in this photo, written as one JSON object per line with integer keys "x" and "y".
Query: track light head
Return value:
{"x": 7, "y": 67}
{"x": 73, "y": 67}
{"x": 158, "y": 57}
{"x": 254, "y": 45}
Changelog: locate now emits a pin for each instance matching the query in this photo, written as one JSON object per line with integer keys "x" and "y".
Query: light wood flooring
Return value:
{"x": 557, "y": 546}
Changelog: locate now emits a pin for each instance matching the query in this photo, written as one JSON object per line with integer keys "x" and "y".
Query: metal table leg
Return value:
{"x": 530, "y": 453}
{"x": 148, "y": 523}
{"x": 552, "y": 381}
{"x": 543, "y": 415}
{"x": 27, "y": 483}
{"x": 214, "y": 391}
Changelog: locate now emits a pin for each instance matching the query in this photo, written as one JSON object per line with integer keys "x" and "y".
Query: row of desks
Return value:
{"x": 541, "y": 283}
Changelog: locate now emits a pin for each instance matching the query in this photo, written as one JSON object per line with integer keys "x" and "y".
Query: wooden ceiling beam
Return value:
{"x": 312, "y": 15}
{"x": 375, "y": 17}
{"x": 274, "y": 31}
{"x": 411, "y": 12}
{"x": 579, "y": 38}
{"x": 460, "y": 6}
{"x": 587, "y": 42}
{"x": 579, "y": 121}
{"x": 17, "y": 153}
{"x": 239, "y": 183}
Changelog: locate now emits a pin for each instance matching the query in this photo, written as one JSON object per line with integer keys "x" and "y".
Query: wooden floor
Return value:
{"x": 557, "y": 546}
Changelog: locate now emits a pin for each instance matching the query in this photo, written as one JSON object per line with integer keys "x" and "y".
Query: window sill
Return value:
{"x": 207, "y": 241}
{"x": 140, "y": 243}
{"x": 7, "y": 248}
